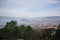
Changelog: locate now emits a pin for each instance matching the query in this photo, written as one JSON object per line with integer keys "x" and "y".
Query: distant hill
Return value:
{"x": 4, "y": 19}
{"x": 32, "y": 21}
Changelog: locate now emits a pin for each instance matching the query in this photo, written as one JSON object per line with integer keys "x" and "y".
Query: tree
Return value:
{"x": 52, "y": 33}
{"x": 21, "y": 30}
{"x": 11, "y": 30}
{"x": 27, "y": 33}
{"x": 1, "y": 34}
{"x": 57, "y": 35}
{"x": 49, "y": 34}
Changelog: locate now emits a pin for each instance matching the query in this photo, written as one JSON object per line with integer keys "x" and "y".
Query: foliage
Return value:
{"x": 13, "y": 32}
{"x": 57, "y": 36}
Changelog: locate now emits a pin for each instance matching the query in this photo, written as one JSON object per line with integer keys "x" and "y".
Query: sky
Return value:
{"x": 29, "y": 8}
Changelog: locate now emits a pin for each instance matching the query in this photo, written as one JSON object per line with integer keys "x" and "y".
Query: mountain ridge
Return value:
{"x": 27, "y": 21}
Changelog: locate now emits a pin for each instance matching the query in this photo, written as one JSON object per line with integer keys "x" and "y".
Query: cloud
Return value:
{"x": 22, "y": 13}
{"x": 29, "y": 8}
{"x": 16, "y": 13}
{"x": 52, "y": 1}
{"x": 27, "y": 3}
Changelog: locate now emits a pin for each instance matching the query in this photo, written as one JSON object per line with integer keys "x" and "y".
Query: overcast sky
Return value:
{"x": 29, "y": 8}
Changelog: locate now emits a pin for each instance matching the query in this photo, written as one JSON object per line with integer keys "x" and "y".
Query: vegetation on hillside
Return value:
{"x": 13, "y": 32}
